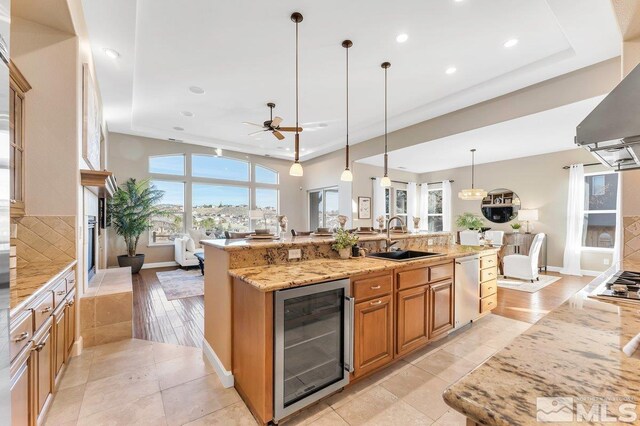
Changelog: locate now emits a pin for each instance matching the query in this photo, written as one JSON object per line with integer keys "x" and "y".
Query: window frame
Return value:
{"x": 152, "y": 243}
{"x": 588, "y": 212}
{"x": 324, "y": 191}
{"x": 184, "y": 165}
{"x": 441, "y": 215}
{"x": 247, "y": 182}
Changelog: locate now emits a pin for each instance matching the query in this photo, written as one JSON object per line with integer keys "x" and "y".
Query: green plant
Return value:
{"x": 516, "y": 225}
{"x": 131, "y": 209}
{"x": 344, "y": 239}
{"x": 469, "y": 221}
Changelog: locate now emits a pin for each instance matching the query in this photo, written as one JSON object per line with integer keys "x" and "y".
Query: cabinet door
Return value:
{"x": 60, "y": 344}
{"x": 413, "y": 318}
{"x": 373, "y": 344}
{"x": 441, "y": 308}
{"x": 20, "y": 394}
{"x": 44, "y": 368}
{"x": 70, "y": 324}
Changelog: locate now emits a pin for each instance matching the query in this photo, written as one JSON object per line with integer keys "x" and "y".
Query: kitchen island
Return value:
{"x": 574, "y": 353}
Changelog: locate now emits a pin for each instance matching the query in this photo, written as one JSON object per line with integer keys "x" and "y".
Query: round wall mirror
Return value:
{"x": 500, "y": 205}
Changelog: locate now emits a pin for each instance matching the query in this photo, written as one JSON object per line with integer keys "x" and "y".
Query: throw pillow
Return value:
{"x": 197, "y": 235}
{"x": 191, "y": 246}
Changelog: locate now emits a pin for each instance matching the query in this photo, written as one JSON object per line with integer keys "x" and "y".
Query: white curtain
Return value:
{"x": 412, "y": 203}
{"x": 424, "y": 205}
{"x": 446, "y": 206}
{"x": 575, "y": 221}
{"x": 378, "y": 201}
{"x": 617, "y": 246}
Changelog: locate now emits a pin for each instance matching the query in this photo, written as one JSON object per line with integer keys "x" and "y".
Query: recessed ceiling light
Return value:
{"x": 458, "y": 1}
{"x": 187, "y": 113}
{"x": 511, "y": 43}
{"x": 178, "y": 128}
{"x": 451, "y": 70}
{"x": 401, "y": 38}
{"x": 196, "y": 90}
{"x": 402, "y": 167}
{"x": 113, "y": 54}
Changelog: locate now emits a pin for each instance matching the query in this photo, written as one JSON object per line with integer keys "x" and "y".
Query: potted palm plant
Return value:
{"x": 131, "y": 209}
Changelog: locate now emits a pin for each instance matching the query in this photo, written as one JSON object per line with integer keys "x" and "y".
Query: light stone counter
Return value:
{"x": 33, "y": 279}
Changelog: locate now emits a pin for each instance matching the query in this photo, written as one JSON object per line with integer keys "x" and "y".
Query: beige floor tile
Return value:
{"x": 388, "y": 372}
{"x": 120, "y": 346}
{"x": 354, "y": 390}
{"x": 308, "y": 415}
{"x": 119, "y": 390}
{"x": 474, "y": 353}
{"x": 147, "y": 411}
{"x": 129, "y": 360}
{"x": 428, "y": 398}
{"x": 195, "y": 399}
{"x": 451, "y": 418}
{"x": 234, "y": 415}
{"x": 331, "y": 418}
{"x": 366, "y": 406}
{"x": 446, "y": 366}
{"x": 76, "y": 373}
{"x": 66, "y": 405}
{"x": 406, "y": 381}
{"x": 181, "y": 370}
{"x": 400, "y": 414}
{"x": 165, "y": 352}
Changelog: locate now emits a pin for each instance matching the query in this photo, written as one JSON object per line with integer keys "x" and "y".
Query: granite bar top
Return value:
{"x": 295, "y": 274}
{"x": 574, "y": 352}
{"x": 290, "y": 241}
{"x": 33, "y": 279}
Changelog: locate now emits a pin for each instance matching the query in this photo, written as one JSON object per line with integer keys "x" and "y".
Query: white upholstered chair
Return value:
{"x": 469, "y": 238}
{"x": 496, "y": 237}
{"x": 524, "y": 267}
{"x": 185, "y": 249}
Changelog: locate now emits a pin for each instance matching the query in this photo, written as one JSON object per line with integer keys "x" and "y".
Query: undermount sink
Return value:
{"x": 404, "y": 255}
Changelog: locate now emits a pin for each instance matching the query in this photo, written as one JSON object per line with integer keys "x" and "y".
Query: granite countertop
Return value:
{"x": 288, "y": 241}
{"x": 575, "y": 352}
{"x": 295, "y": 274}
{"x": 32, "y": 279}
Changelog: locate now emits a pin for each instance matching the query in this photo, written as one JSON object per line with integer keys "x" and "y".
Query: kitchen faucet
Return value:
{"x": 388, "y": 241}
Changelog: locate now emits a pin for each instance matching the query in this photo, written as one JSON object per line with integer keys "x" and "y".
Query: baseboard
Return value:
{"x": 586, "y": 272}
{"x": 225, "y": 376}
{"x": 78, "y": 346}
{"x": 159, "y": 265}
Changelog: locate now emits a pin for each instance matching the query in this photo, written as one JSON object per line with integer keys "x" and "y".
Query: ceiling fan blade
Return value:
{"x": 276, "y": 121}
{"x": 255, "y": 133}
{"x": 290, "y": 129}
{"x": 252, "y": 124}
{"x": 278, "y": 135}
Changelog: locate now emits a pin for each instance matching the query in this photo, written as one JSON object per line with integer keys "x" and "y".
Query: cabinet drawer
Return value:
{"x": 21, "y": 333}
{"x": 488, "y": 288}
{"x": 440, "y": 272}
{"x": 366, "y": 288}
{"x": 488, "y": 261}
{"x": 71, "y": 281}
{"x": 413, "y": 278}
{"x": 488, "y": 274}
{"x": 42, "y": 310}
{"x": 59, "y": 293}
{"x": 488, "y": 303}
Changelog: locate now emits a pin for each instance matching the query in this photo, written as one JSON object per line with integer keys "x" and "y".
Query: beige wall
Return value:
{"x": 128, "y": 157}
{"x": 541, "y": 184}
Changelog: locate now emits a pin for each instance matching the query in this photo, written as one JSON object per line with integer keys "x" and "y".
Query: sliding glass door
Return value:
{"x": 323, "y": 208}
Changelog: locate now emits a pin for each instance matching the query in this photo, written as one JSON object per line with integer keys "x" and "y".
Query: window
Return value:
{"x": 164, "y": 229}
{"x": 264, "y": 175}
{"x": 220, "y": 208}
{"x": 167, "y": 164}
{"x": 600, "y": 210}
{"x": 323, "y": 208}
{"x": 395, "y": 203}
{"x": 212, "y": 167}
{"x": 434, "y": 210}
{"x": 401, "y": 204}
{"x": 267, "y": 201}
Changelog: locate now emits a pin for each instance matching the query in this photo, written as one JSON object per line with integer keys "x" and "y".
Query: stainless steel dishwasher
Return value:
{"x": 467, "y": 291}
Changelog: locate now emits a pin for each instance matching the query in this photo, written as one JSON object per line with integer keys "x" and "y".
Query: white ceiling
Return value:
{"x": 242, "y": 53}
{"x": 549, "y": 131}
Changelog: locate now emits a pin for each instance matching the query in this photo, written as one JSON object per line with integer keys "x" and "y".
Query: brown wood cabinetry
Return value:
{"x": 413, "y": 318}
{"x": 441, "y": 307}
{"x": 488, "y": 282}
{"x": 22, "y": 387}
{"x": 18, "y": 87}
{"x": 70, "y": 324}
{"x": 43, "y": 353}
{"x": 373, "y": 324}
{"x": 59, "y": 331}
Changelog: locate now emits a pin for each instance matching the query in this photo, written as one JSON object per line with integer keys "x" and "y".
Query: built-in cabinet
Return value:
{"x": 18, "y": 87}
{"x": 488, "y": 288}
{"x": 41, "y": 339}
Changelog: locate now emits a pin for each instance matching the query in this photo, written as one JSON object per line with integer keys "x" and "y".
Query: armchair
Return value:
{"x": 185, "y": 250}
{"x": 524, "y": 267}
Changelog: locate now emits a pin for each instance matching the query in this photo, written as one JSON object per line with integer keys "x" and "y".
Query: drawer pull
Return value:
{"x": 377, "y": 302}
{"x": 21, "y": 336}
{"x": 12, "y": 201}
{"x": 490, "y": 303}
{"x": 376, "y": 287}
{"x": 39, "y": 347}
{"x": 61, "y": 293}
{"x": 46, "y": 310}
{"x": 489, "y": 288}
{"x": 70, "y": 302}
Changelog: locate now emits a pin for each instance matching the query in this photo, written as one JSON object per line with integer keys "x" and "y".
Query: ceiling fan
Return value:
{"x": 272, "y": 125}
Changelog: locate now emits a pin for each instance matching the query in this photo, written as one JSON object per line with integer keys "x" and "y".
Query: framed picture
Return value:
{"x": 91, "y": 122}
{"x": 364, "y": 207}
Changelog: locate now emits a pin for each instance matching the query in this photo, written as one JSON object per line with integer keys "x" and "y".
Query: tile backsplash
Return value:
{"x": 44, "y": 238}
{"x": 631, "y": 225}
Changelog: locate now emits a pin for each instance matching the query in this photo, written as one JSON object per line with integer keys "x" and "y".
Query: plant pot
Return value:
{"x": 516, "y": 231}
{"x": 345, "y": 253}
{"x": 135, "y": 262}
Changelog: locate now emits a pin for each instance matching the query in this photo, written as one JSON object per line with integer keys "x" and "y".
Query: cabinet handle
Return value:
{"x": 377, "y": 302}
{"x": 376, "y": 287}
{"x": 70, "y": 302}
{"x": 61, "y": 293}
{"x": 21, "y": 336}
{"x": 39, "y": 347}
{"x": 12, "y": 201}
{"x": 45, "y": 310}
{"x": 490, "y": 303}
{"x": 490, "y": 288}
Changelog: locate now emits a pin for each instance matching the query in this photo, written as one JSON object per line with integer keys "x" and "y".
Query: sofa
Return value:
{"x": 186, "y": 246}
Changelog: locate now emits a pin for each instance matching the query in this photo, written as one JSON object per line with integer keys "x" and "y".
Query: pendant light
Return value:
{"x": 347, "y": 176}
{"x": 385, "y": 182}
{"x": 472, "y": 194}
{"x": 296, "y": 167}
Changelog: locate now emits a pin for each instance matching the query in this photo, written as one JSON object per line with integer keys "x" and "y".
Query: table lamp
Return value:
{"x": 528, "y": 216}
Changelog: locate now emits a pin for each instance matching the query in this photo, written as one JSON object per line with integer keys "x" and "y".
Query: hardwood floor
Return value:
{"x": 530, "y": 307}
{"x": 179, "y": 322}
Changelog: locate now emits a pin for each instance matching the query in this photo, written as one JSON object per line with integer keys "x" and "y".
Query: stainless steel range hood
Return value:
{"x": 611, "y": 132}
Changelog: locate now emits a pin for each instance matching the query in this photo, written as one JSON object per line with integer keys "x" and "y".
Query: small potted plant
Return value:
{"x": 516, "y": 227}
{"x": 469, "y": 221}
{"x": 344, "y": 241}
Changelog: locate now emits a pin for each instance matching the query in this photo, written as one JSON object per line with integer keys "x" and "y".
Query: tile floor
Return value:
{"x": 139, "y": 382}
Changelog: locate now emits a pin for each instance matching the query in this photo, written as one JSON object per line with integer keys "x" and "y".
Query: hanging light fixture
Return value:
{"x": 385, "y": 181}
{"x": 296, "y": 167}
{"x": 347, "y": 176}
{"x": 472, "y": 194}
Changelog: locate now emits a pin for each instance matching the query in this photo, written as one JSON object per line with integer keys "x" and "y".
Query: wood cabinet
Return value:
{"x": 373, "y": 324}
{"x": 488, "y": 289}
{"x": 60, "y": 333}
{"x": 18, "y": 87}
{"x": 43, "y": 353}
{"x": 21, "y": 388}
{"x": 441, "y": 307}
{"x": 413, "y": 319}
{"x": 70, "y": 324}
